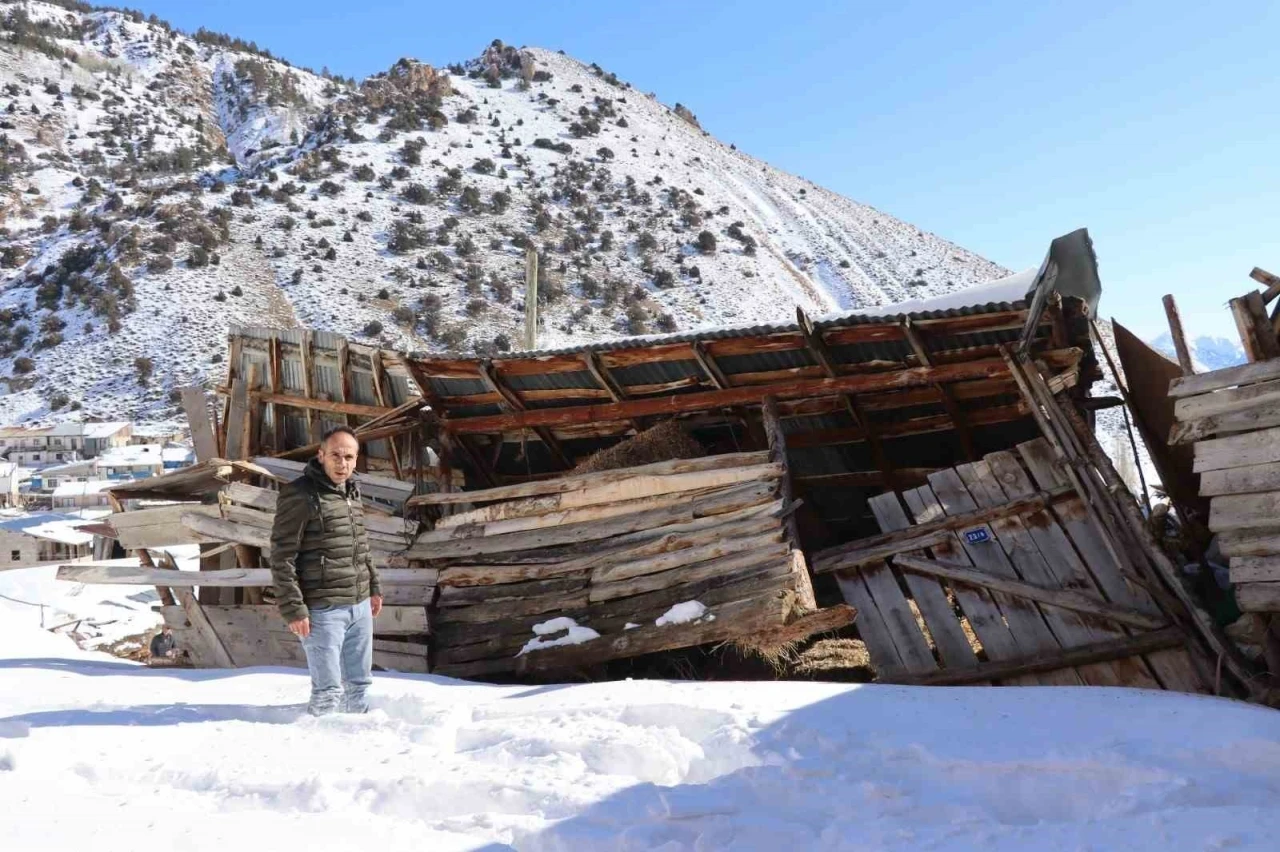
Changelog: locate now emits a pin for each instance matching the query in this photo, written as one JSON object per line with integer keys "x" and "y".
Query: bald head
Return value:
{"x": 338, "y": 453}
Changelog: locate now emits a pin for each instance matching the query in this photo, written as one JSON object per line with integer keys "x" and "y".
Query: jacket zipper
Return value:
{"x": 351, "y": 521}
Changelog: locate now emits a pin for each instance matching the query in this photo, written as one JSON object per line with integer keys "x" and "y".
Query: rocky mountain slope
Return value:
{"x": 1207, "y": 353}
{"x": 157, "y": 187}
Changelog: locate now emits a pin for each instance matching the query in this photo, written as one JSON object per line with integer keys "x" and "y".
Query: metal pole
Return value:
{"x": 530, "y": 298}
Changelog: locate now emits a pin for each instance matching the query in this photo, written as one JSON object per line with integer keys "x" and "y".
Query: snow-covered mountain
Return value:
{"x": 1207, "y": 353}
{"x": 157, "y": 187}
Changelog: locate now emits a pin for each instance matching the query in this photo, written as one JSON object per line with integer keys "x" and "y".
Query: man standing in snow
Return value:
{"x": 162, "y": 644}
{"x": 325, "y": 583}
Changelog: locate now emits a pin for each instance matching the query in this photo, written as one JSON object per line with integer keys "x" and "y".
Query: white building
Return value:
{"x": 10, "y": 474}
{"x": 82, "y": 495}
{"x": 63, "y": 442}
{"x": 40, "y": 538}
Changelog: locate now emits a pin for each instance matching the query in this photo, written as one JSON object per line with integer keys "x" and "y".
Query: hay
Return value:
{"x": 828, "y": 657}
{"x": 664, "y": 442}
{"x": 777, "y": 646}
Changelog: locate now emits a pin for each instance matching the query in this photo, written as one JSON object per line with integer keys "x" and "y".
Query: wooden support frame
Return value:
{"x": 308, "y": 385}
{"x": 512, "y": 402}
{"x": 1271, "y": 282}
{"x": 986, "y": 368}
{"x": 778, "y": 453}
{"x": 912, "y": 336}
{"x": 708, "y": 364}
{"x": 1175, "y": 331}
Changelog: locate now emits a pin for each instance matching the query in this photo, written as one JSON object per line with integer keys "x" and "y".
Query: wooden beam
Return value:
{"x": 308, "y": 384}
{"x": 217, "y": 654}
{"x": 197, "y": 410}
{"x": 913, "y": 339}
{"x": 919, "y": 536}
{"x": 1179, "y": 338}
{"x": 601, "y": 374}
{"x": 237, "y": 416}
{"x": 1101, "y": 652}
{"x": 512, "y": 402}
{"x": 1245, "y": 374}
{"x": 708, "y": 364}
{"x": 1256, "y": 332}
{"x": 683, "y": 403}
{"x": 778, "y": 451}
{"x": 1271, "y": 282}
{"x": 1074, "y": 601}
{"x": 362, "y": 437}
{"x": 816, "y": 345}
{"x": 141, "y": 575}
{"x": 312, "y": 405}
{"x": 377, "y": 374}
{"x": 906, "y": 476}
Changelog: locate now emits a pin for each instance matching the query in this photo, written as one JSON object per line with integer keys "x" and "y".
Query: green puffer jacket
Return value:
{"x": 319, "y": 550}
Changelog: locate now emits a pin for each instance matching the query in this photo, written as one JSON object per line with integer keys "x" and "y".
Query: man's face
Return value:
{"x": 338, "y": 457}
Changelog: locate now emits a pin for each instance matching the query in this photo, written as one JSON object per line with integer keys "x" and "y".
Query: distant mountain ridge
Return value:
{"x": 156, "y": 188}
{"x": 1207, "y": 353}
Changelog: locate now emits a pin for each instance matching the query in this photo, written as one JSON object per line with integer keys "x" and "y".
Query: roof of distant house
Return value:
{"x": 73, "y": 428}
{"x": 62, "y": 527}
{"x": 131, "y": 454}
{"x": 80, "y": 489}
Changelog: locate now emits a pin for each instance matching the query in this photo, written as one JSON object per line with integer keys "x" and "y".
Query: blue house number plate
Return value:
{"x": 977, "y": 536}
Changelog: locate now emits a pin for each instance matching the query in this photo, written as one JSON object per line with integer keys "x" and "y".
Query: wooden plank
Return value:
{"x": 728, "y": 621}
{"x": 1041, "y": 534}
{"x": 1245, "y": 374}
{"x": 1241, "y": 480}
{"x": 501, "y": 610}
{"x": 1251, "y": 542}
{"x": 213, "y": 652}
{"x": 1271, "y": 282}
{"x": 1258, "y": 569}
{"x": 930, "y": 597}
{"x": 1227, "y": 401}
{"x": 205, "y": 528}
{"x": 925, "y": 535}
{"x": 468, "y": 595}
{"x": 1074, "y": 601}
{"x": 977, "y": 605}
{"x": 158, "y": 515}
{"x": 720, "y": 502}
{"x": 1268, "y": 345}
{"x": 1258, "y": 597}
{"x": 872, "y": 628}
{"x": 723, "y": 566}
{"x": 578, "y": 482}
{"x": 392, "y": 621}
{"x": 1025, "y": 621}
{"x": 665, "y": 562}
{"x": 1173, "y": 668}
{"x": 123, "y": 572}
{"x": 1244, "y": 511}
{"x": 1084, "y": 655}
{"x": 1247, "y": 420}
{"x": 236, "y": 419}
{"x": 776, "y": 438}
{"x": 196, "y": 408}
{"x": 1179, "y": 339}
{"x": 617, "y": 498}
{"x": 705, "y": 401}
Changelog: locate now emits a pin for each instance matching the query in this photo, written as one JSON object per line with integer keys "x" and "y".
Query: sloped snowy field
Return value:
{"x": 100, "y": 754}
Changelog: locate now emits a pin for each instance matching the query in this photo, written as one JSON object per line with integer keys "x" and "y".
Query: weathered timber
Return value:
{"x": 719, "y": 567}
{"x": 1023, "y": 617}
{"x": 1258, "y": 597}
{"x": 392, "y": 621}
{"x": 483, "y": 613}
{"x": 691, "y": 487}
{"x": 1065, "y": 599}
{"x": 731, "y": 620}
{"x": 468, "y": 595}
{"x": 612, "y": 615}
{"x": 1252, "y": 448}
{"x": 721, "y": 546}
{"x": 202, "y": 436}
{"x": 925, "y": 535}
{"x": 162, "y": 529}
{"x": 1250, "y": 542}
{"x": 1259, "y": 569}
{"x": 704, "y": 401}
{"x": 1179, "y": 339}
{"x": 206, "y": 528}
{"x": 579, "y": 482}
{"x": 1117, "y": 649}
{"x": 635, "y": 488}
{"x": 1227, "y": 401}
{"x": 948, "y": 636}
{"x": 1244, "y": 511}
{"x": 1245, "y": 374}
{"x": 737, "y": 497}
{"x": 1241, "y": 480}
{"x": 1247, "y": 420}
{"x": 139, "y": 575}
{"x": 212, "y": 651}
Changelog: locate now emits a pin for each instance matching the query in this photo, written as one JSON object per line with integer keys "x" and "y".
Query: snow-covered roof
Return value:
{"x": 178, "y": 453}
{"x": 81, "y": 489}
{"x": 54, "y": 526}
{"x": 132, "y": 455}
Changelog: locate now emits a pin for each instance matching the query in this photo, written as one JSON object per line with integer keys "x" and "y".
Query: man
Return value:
{"x": 162, "y": 644}
{"x": 325, "y": 583}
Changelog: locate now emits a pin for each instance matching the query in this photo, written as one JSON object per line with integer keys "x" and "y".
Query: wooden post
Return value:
{"x": 202, "y": 433}
{"x": 1124, "y": 393}
{"x": 530, "y": 298}
{"x": 1272, "y": 282}
{"x": 778, "y": 453}
{"x": 1179, "y": 339}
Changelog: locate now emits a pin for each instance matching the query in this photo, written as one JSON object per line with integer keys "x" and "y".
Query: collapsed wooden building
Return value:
{"x": 926, "y": 473}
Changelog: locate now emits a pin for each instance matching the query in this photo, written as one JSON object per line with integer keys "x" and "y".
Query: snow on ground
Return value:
{"x": 220, "y": 760}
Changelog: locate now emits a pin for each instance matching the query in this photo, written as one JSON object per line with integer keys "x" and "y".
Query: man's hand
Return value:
{"x": 300, "y": 628}
{"x": 375, "y": 605}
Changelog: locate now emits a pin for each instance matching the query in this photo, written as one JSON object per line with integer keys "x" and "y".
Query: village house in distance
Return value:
{"x": 54, "y": 481}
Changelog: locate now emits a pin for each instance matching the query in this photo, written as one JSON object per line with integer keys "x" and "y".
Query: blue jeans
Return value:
{"x": 340, "y": 658}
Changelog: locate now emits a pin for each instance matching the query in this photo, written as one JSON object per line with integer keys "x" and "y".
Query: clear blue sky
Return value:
{"x": 995, "y": 125}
